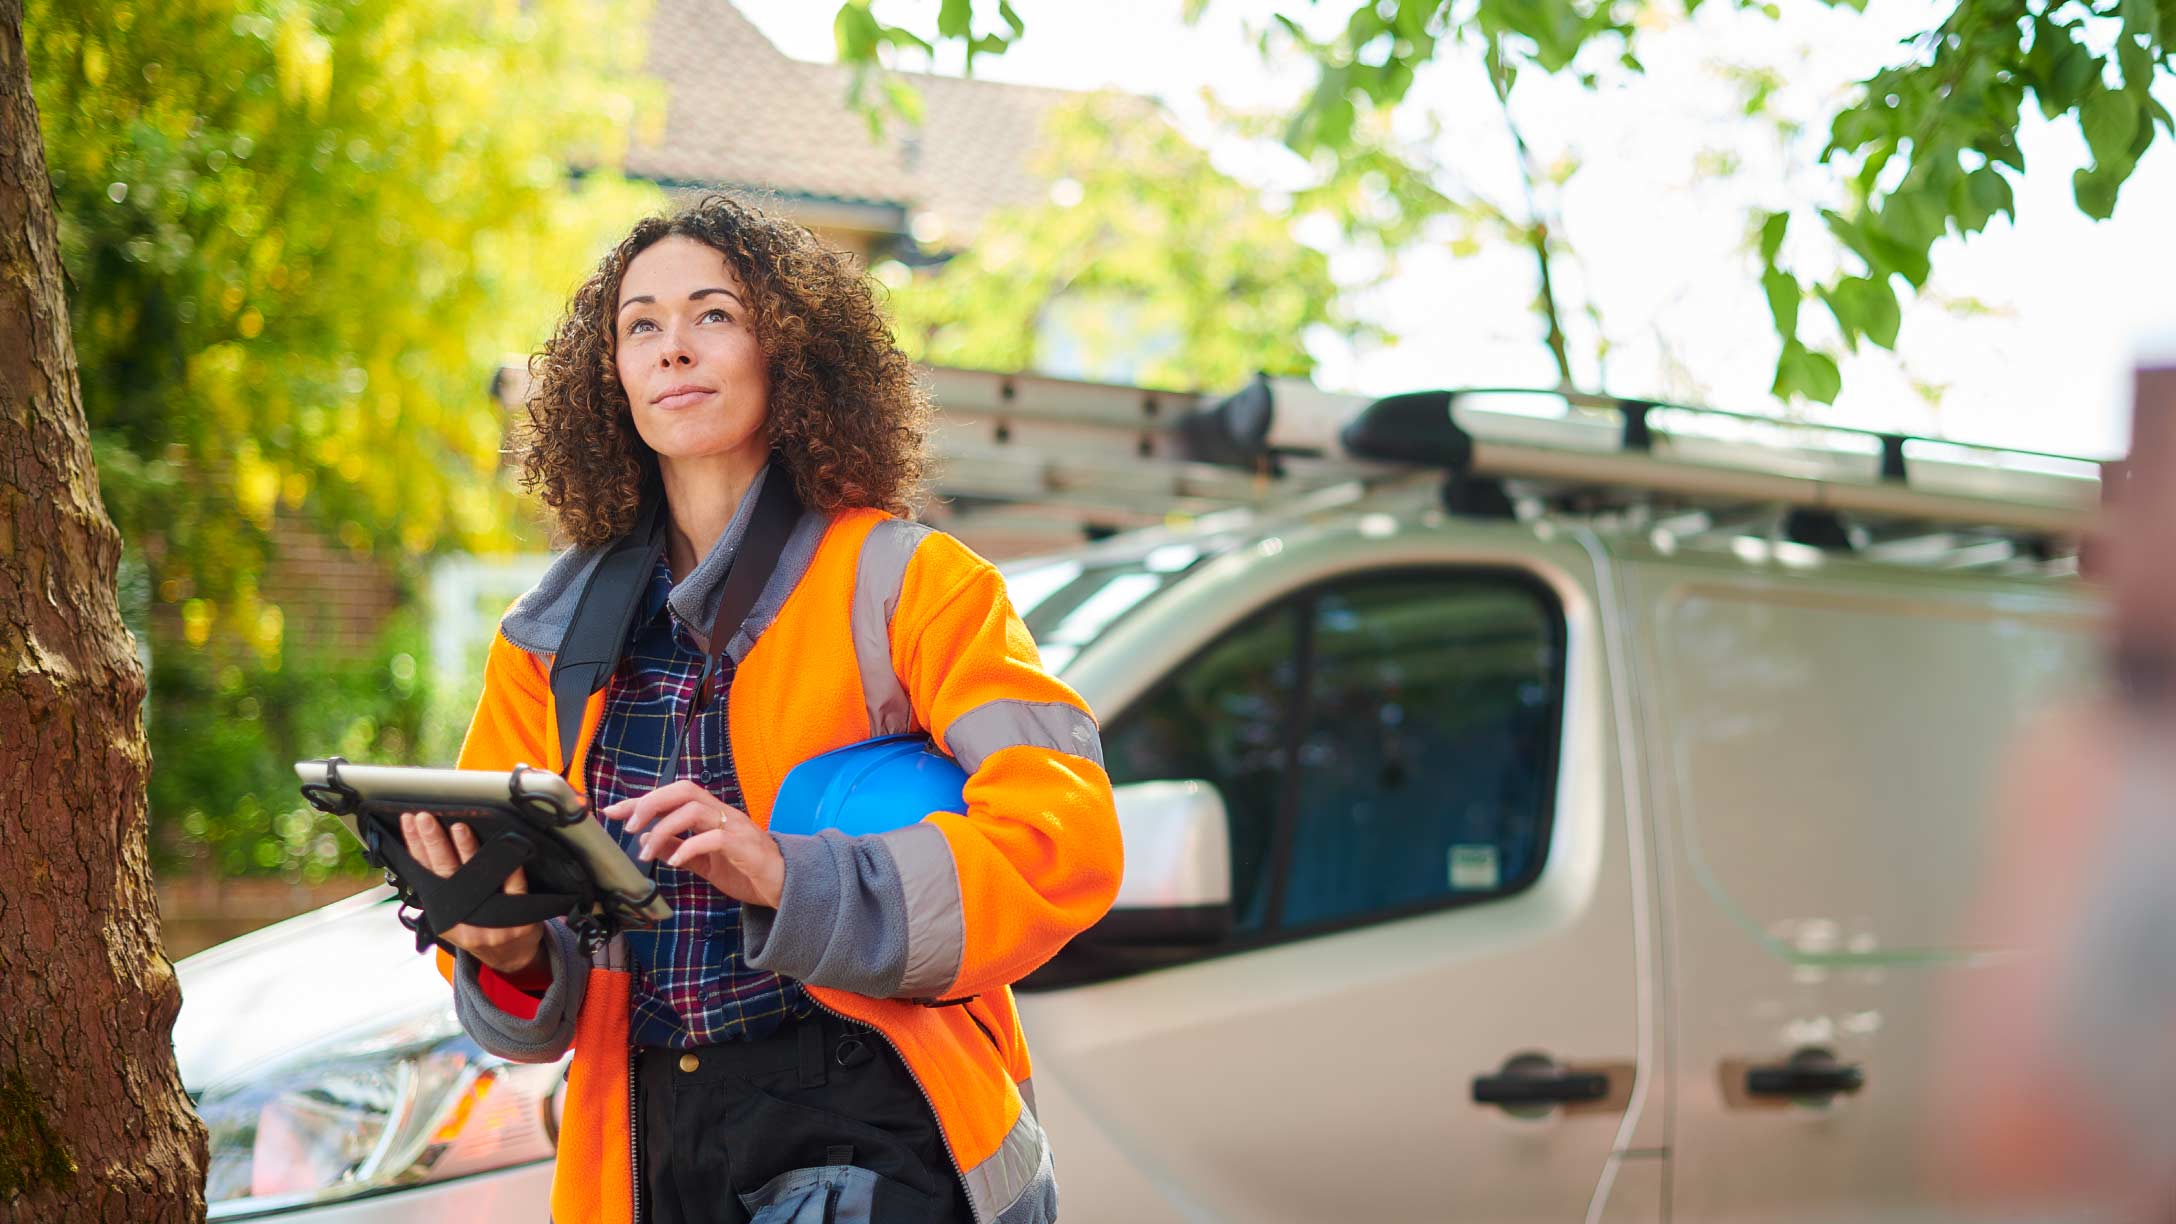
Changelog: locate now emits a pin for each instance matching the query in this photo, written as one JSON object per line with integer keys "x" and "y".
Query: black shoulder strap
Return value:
{"x": 606, "y": 611}
{"x": 771, "y": 524}
{"x": 602, "y": 617}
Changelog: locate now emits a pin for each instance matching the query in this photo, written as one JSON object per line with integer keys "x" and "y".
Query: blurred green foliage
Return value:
{"x": 1148, "y": 262}
{"x": 1925, "y": 148}
{"x": 301, "y": 235}
{"x": 224, "y": 736}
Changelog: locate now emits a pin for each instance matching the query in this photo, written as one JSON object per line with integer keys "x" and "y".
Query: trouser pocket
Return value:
{"x": 822, "y": 1125}
{"x": 834, "y": 1194}
{"x": 782, "y": 1159}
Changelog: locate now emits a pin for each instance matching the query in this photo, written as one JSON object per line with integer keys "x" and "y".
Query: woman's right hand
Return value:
{"x": 512, "y": 952}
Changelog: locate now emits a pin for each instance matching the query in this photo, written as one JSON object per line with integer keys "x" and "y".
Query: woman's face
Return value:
{"x": 690, "y": 366}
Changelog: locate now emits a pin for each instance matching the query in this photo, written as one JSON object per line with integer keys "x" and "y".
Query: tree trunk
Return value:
{"x": 93, "y": 1122}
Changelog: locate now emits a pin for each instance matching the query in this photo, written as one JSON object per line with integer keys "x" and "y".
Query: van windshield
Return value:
{"x": 1070, "y": 602}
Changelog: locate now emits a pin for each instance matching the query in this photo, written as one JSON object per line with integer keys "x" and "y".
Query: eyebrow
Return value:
{"x": 695, "y": 296}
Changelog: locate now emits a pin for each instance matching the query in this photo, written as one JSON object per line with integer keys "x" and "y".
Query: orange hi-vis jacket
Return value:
{"x": 871, "y": 625}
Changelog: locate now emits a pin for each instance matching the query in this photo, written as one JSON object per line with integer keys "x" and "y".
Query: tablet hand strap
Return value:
{"x": 474, "y": 894}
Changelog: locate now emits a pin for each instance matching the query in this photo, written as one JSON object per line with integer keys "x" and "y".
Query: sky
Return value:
{"x": 2025, "y": 336}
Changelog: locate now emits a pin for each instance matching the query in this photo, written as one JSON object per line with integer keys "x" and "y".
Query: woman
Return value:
{"x": 825, "y": 1024}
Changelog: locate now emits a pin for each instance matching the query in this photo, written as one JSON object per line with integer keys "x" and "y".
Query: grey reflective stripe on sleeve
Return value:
{"x": 929, "y": 883}
{"x": 1016, "y": 1184}
{"x": 878, "y": 575}
{"x": 993, "y": 725}
{"x": 1027, "y": 1092}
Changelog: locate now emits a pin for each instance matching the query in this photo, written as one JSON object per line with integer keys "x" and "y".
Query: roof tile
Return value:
{"x": 741, "y": 113}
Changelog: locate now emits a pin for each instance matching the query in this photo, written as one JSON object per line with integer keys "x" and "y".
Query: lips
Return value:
{"x": 680, "y": 396}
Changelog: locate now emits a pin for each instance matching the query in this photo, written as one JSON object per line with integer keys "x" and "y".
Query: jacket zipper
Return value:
{"x": 634, "y": 1138}
{"x": 974, "y": 1209}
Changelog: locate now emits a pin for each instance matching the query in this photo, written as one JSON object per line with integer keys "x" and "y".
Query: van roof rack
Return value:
{"x": 1028, "y": 436}
{"x": 1704, "y": 455}
{"x": 1058, "y": 457}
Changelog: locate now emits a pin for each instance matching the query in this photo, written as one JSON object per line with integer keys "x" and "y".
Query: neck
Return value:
{"x": 701, "y": 496}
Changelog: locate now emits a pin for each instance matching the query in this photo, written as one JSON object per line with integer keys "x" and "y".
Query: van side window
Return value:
{"x": 1429, "y": 751}
{"x": 1223, "y": 718}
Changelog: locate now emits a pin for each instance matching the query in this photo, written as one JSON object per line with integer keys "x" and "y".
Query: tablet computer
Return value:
{"x": 527, "y": 817}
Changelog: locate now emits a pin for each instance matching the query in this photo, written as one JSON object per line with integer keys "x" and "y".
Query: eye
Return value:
{"x": 718, "y": 311}
{"x": 638, "y": 325}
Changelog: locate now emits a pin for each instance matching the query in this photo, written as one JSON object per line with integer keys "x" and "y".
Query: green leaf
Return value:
{"x": 1853, "y": 128}
{"x": 2076, "y": 71}
{"x": 954, "y": 18}
{"x": 906, "y": 40}
{"x": 2141, "y": 20}
{"x": 1783, "y": 298}
{"x": 1803, "y": 373}
{"x": 1790, "y": 371}
{"x": 2039, "y": 64}
{"x": 2095, "y": 191}
{"x": 1007, "y": 14}
{"x": 1868, "y": 308}
{"x": 1980, "y": 196}
{"x": 1913, "y": 216}
{"x": 1822, "y": 379}
{"x": 2109, "y": 119}
{"x": 855, "y": 31}
{"x": 1846, "y": 321}
{"x": 1771, "y": 235}
{"x": 1333, "y": 122}
{"x": 2002, "y": 149}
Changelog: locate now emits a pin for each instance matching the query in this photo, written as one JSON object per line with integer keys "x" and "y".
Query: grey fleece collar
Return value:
{"x": 538, "y": 621}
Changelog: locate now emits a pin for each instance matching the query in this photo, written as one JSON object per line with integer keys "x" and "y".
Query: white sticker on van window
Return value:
{"x": 1473, "y": 868}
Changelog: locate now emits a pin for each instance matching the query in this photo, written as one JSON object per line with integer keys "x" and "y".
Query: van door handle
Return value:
{"x": 1536, "y": 1079}
{"x": 1810, "y": 1072}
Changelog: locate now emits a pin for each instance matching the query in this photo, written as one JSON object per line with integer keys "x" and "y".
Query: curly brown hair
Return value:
{"x": 848, "y": 416}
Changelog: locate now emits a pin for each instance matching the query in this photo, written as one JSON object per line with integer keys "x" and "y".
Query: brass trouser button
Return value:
{"x": 688, "y": 1062}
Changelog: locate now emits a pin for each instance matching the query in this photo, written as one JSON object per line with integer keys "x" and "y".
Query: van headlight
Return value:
{"x": 397, "y": 1105}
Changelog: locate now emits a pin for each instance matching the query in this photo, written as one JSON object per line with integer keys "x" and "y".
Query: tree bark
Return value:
{"x": 93, "y": 1122}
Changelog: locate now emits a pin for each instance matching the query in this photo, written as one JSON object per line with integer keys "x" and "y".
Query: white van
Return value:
{"x": 1594, "y": 853}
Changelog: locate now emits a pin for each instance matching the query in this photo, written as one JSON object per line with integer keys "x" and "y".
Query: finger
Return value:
{"x": 411, "y": 836}
{"x": 687, "y": 817}
{"x": 717, "y": 841}
{"x": 437, "y": 851}
{"x": 642, "y": 809}
{"x": 671, "y": 795}
{"x": 517, "y": 883}
{"x": 464, "y": 839}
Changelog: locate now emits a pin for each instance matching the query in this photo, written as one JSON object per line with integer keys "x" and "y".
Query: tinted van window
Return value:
{"x": 1223, "y": 718}
{"x": 1426, "y": 765}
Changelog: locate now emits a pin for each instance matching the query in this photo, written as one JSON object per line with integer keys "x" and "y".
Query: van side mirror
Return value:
{"x": 1177, "y": 889}
{"x": 1175, "y": 899}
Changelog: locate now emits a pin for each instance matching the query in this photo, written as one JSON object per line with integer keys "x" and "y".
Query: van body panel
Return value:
{"x": 1824, "y": 744}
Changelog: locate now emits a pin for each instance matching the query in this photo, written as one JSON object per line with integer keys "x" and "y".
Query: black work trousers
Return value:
{"x": 818, "y": 1123}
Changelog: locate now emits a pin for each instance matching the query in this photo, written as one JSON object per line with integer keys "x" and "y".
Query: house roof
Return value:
{"x": 741, "y": 113}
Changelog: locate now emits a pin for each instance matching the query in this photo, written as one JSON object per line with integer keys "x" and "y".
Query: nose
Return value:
{"x": 674, "y": 352}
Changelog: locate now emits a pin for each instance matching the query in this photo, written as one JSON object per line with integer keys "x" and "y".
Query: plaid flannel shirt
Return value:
{"x": 692, "y": 986}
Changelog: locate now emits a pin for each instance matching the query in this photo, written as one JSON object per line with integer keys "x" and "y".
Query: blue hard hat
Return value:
{"x": 874, "y": 786}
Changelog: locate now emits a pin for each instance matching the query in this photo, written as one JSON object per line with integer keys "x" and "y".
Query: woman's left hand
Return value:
{"x": 690, "y": 827}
